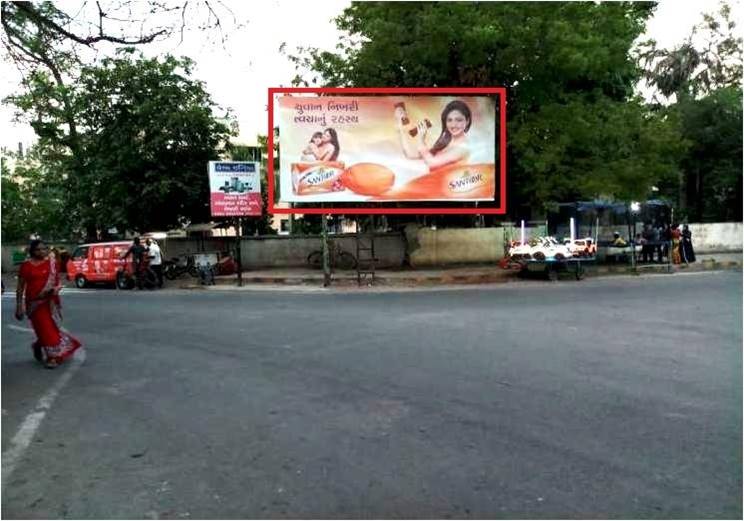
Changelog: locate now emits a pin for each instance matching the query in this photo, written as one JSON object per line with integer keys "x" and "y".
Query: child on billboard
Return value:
{"x": 309, "y": 177}
{"x": 323, "y": 146}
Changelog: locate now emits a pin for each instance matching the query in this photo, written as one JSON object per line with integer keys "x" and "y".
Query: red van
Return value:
{"x": 97, "y": 262}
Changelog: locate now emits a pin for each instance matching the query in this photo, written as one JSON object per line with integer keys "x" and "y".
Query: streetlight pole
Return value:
{"x": 633, "y": 211}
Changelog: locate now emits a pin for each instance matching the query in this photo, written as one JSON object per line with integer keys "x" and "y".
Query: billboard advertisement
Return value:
{"x": 234, "y": 188}
{"x": 387, "y": 148}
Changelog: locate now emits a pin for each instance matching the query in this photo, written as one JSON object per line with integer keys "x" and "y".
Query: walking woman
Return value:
{"x": 38, "y": 281}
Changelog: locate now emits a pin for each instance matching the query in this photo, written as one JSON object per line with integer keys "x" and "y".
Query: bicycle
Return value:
{"x": 337, "y": 257}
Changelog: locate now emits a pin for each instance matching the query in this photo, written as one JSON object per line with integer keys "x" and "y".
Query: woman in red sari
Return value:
{"x": 38, "y": 279}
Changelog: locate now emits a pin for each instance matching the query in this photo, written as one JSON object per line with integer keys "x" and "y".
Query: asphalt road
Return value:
{"x": 611, "y": 398}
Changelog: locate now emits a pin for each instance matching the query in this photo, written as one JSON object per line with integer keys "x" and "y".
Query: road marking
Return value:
{"x": 707, "y": 272}
{"x": 20, "y": 328}
{"x": 31, "y": 423}
{"x": 11, "y": 292}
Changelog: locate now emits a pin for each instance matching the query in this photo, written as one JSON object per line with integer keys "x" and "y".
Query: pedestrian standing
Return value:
{"x": 137, "y": 251}
{"x": 676, "y": 236}
{"x": 37, "y": 297}
{"x": 667, "y": 241}
{"x": 686, "y": 250}
{"x": 659, "y": 248}
{"x": 647, "y": 249}
{"x": 156, "y": 259}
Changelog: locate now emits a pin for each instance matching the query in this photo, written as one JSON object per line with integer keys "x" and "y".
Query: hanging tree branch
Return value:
{"x": 30, "y": 26}
{"x": 37, "y": 17}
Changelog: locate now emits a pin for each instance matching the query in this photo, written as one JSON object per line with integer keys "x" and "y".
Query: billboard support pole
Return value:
{"x": 326, "y": 263}
{"x": 238, "y": 252}
{"x": 291, "y": 221}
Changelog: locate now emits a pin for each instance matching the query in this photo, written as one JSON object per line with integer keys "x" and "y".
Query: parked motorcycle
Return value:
{"x": 226, "y": 266}
{"x": 177, "y": 266}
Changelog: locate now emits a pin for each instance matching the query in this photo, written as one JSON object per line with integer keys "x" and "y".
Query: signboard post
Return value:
{"x": 235, "y": 191}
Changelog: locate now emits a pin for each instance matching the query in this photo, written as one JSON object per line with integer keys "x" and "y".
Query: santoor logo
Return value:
{"x": 318, "y": 176}
{"x": 466, "y": 182}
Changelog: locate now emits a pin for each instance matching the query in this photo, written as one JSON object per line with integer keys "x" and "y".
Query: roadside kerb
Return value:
{"x": 445, "y": 276}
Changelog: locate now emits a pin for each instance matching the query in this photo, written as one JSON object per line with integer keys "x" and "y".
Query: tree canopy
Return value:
{"x": 712, "y": 185}
{"x": 710, "y": 58}
{"x": 144, "y": 131}
{"x": 121, "y": 132}
{"x": 33, "y": 201}
{"x": 703, "y": 75}
{"x": 575, "y": 129}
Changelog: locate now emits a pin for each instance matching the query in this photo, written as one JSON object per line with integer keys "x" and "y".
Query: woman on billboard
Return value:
{"x": 452, "y": 145}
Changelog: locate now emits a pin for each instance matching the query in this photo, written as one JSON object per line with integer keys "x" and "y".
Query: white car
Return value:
{"x": 581, "y": 247}
{"x": 540, "y": 248}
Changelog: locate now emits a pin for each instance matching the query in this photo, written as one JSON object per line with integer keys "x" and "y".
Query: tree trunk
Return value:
{"x": 699, "y": 196}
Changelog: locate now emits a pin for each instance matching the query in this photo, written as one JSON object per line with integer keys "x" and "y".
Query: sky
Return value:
{"x": 238, "y": 74}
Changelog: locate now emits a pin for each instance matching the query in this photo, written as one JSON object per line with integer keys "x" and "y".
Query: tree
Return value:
{"x": 33, "y": 200}
{"x": 50, "y": 46}
{"x": 713, "y": 184}
{"x": 44, "y": 35}
{"x": 574, "y": 127}
{"x": 143, "y": 136}
{"x": 703, "y": 75}
{"x": 14, "y": 207}
{"x": 605, "y": 149}
{"x": 709, "y": 59}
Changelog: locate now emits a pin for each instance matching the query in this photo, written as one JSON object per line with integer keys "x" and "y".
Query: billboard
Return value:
{"x": 397, "y": 147}
{"x": 234, "y": 188}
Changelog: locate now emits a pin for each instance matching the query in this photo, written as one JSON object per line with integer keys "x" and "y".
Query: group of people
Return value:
{"x": 665, "y": 241}
{"x": 143, "y": 256}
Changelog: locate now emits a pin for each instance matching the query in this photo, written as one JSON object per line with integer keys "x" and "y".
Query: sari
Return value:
{"x": 54, "y": 344}
{"x": 676, "y": 257}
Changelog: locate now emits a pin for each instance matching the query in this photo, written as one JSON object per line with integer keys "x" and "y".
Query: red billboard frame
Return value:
{"x": 499, "y": 91}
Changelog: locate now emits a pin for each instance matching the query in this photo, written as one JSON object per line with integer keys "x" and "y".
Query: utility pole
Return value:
{"x": 238, "y": 251}
{"x": 326, "y": 259}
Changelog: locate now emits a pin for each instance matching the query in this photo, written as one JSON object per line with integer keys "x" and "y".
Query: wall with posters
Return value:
{"x": 387, "y": 148}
